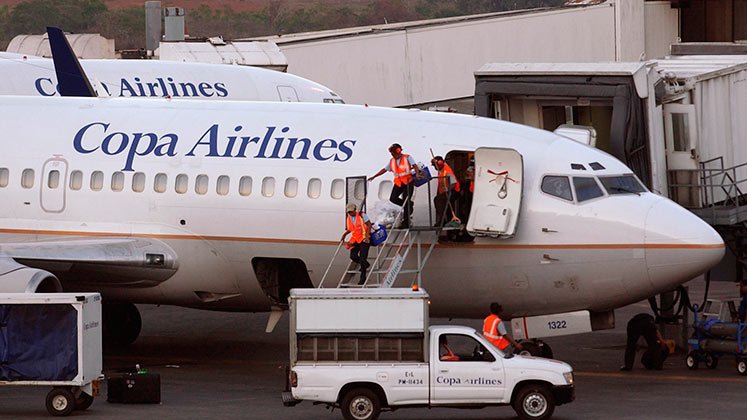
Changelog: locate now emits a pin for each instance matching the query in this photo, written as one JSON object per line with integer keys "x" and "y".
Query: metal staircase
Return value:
{"x": 393, "y": 258}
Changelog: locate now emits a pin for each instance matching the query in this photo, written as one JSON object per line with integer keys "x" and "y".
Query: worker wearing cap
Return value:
{"x": 494, "y": 329}
{"x": 358, "y": 225}
{"x": 401, "y": 165}
{"x": 447, "y": 192}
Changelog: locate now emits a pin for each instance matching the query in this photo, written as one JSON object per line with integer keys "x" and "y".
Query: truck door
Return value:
{"x": 465, "y": 372}
{"x": 497, "y": 197}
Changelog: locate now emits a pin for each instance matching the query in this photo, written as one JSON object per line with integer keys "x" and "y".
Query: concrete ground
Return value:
{"x": 222, "y": 365}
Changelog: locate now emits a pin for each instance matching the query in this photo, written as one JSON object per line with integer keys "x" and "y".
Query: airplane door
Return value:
{"x": 496, "y": 202}
{"x": 680, "y": 132}
{"x": 287, "y": 94}
{"x": 53, "y": 185}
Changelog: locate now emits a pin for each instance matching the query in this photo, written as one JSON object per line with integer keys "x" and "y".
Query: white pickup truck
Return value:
{"x": 368, "y": 350}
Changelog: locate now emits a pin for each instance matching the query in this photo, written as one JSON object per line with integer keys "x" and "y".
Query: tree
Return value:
{"x": 33, "y": 16}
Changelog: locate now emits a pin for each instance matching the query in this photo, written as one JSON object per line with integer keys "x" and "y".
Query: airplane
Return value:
{"x": 227, "y": 205}
{"x": 29, "y": 75}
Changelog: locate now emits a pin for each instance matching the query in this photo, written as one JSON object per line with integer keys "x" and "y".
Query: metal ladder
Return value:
{"x": 391, "y": 258}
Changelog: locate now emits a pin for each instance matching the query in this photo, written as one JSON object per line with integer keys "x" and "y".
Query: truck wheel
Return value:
{"x": 711, "y": 361}
{"x": 692, "y": 360}
{"x": 60, "y": 402}
{"x": 83, "y": 401}
{"x": 742, "y": 367}
{"x": 361, "y": 404}
{"x": 534, "y": 402}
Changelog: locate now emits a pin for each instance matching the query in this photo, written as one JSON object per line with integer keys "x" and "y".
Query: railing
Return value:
{"x": 710, "y": 190}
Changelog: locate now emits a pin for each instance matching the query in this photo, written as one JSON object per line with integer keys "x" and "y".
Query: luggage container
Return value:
{"x": 52, "y": 339}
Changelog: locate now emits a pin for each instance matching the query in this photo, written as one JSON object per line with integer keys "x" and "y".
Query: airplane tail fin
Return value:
{"x": 71, "y": 78}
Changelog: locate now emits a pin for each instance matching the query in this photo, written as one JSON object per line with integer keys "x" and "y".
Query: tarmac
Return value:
{"x": 223, "y": 365}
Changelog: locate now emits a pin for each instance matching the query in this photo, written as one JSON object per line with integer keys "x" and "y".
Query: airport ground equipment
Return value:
{"x": 713, "y": 339}
{"x": 52, "y": 339}
{"x": 370, "y": 350}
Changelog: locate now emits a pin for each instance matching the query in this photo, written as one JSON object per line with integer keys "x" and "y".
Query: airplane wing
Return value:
{"x": 120, "y": 262}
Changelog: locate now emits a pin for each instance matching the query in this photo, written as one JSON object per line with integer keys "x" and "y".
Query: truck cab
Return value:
{"x": 370, "y": 350}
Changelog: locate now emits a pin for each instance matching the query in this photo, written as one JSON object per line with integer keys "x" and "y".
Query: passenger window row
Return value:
{"x": 96, "y": 182}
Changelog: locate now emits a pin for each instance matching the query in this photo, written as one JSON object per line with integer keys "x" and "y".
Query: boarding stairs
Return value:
{"x": 390, "y": 258}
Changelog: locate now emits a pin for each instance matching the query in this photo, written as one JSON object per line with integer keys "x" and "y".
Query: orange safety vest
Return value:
{"x": 490, "y": 331}
{"x": 443, "y": 179}
{"x": 401, "y": 170}
{"x": 357, "y": 235}
{"x": 472, "y": 186}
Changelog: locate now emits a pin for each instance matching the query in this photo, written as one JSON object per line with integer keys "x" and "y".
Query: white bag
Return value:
{"x": 385, "y": 213}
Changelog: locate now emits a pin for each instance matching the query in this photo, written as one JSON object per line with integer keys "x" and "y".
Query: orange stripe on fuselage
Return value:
{"x": 320, "y": 242}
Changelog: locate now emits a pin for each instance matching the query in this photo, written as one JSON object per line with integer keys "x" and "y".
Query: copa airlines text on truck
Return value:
{"x": 368, "y": 350}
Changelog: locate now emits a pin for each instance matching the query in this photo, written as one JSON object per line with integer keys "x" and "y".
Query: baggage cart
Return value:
{"x": 52, "y": 339}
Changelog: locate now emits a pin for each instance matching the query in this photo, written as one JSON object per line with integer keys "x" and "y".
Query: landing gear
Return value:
{"x": 121, "y": 324}
{"x": 536, "y": 348}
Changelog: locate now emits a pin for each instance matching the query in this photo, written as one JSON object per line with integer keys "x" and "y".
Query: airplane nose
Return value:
{"x": 679, "y": 245}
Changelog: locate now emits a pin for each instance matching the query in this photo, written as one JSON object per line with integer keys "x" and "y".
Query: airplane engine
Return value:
{"x": 18, "y": 278}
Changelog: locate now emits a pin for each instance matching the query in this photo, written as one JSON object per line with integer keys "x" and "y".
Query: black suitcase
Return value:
{"x": 134, "y": 388}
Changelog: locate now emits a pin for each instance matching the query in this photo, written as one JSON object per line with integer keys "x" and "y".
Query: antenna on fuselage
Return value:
{"x": 71, "y": 79}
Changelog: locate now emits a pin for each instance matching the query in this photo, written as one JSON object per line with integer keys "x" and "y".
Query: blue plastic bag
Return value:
{"x": 423, "y": 179}
{"x": 378, "y": 236}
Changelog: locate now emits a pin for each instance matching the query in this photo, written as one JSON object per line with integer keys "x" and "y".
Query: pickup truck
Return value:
{"x": 369, "y": 350}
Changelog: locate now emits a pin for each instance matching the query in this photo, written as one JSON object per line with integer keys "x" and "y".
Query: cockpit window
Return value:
{"x": 333, "y": 101}
{"x": 558, "y": 186}
{"x": 622, "y": 184}
{"x": 586, "y": 188}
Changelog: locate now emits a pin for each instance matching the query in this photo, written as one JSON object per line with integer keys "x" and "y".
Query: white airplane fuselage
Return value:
{"x": 598, "y": 254}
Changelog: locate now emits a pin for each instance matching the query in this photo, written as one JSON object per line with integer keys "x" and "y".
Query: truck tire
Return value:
{"x": 534, "y": 402}
{"x": 361, "y": 404}
{"x": 60, "y": 402}
{"x": 742, "y": 367}
{"x": 83, "y": 401}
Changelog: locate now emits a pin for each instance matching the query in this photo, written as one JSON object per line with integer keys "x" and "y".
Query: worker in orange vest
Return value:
{"x": 494, "y": 329}
{"x": 447, "y": 192}
{"x": 358, "y": 225}
{"x": 402, "y": 166}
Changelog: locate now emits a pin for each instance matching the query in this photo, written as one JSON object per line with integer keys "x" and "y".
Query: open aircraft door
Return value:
{"x": 496, "y": 202}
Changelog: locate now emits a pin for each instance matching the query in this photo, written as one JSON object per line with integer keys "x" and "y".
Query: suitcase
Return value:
{"x": 378, "y": 236}
{"x": 134, "y": 388}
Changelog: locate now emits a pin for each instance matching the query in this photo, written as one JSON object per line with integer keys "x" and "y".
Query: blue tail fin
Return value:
{"x": 71, "y": 78}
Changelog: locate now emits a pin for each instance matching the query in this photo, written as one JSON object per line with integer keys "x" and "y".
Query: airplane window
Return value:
{"x": 291, "y": 187}
{"x": 159, "y": 183}
{"x": 578, "y": 166}
{"x": 4, "y": 174}
{"x": 182, "y": 183}
{"x": 315, "y": 188}
{"x": 224, "y": 183}
{"x": 268, "y": 186}
{"x": 76, "y": 180}
{"x": 586, "y": 188}
{"x": 245, "y": 185}
{"x": 53, "y": 180}
{"x": 338, "y": 189}
{"x": 596, "y": 166}
{"x": 27, "y": 178}
{"x": 385, "y": 190}
{"x": 138, "y": 182}
{"x": 97, "y": 181}
{"x": 201, "y": 184}
{"x": 117, "y": 181}
{"x": 622, "y": 184}
{"x": 557, "y": 186}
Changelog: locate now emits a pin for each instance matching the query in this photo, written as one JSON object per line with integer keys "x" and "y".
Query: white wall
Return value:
{"x": 661, "y": 24}
{"x": 432, "y": 63}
